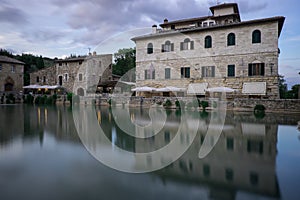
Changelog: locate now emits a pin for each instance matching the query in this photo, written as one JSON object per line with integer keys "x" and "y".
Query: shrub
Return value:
{"x": 168, "y": 103}
{"x": 29, "y": 99}
{"x": 70, "y": 96}
{"x": 37, "y": 100}
{"x": 204, "y": 105}
{"x": 259, "y": 107}
{"x": 49, "y": 100}
{"x": 11, "y": 98}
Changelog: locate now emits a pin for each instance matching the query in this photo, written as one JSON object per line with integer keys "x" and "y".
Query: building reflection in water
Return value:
{"x": 242, "y": 162}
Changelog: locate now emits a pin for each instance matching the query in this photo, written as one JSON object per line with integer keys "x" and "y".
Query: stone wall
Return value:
{"x": 46, "y": 76}
{"x": 220, "y": 56}
{"x": 13, "y": 77}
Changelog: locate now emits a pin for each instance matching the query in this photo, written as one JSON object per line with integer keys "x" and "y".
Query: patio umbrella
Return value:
{"x": 170, "y": 89}
{"x": 143, "y": 89}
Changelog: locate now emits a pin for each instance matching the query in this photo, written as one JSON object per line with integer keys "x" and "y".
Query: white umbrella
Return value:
{"x": 143, "y": 89}
{"x": 170, "y": 89}
{"x": 32, "y": 87}
{"x": 220, "y": 89}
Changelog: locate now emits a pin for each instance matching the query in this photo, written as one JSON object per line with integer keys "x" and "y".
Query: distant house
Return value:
{"x": 213, "y": 51}
{"x": 11, "y": 74}
{"x": 80, "y": 75}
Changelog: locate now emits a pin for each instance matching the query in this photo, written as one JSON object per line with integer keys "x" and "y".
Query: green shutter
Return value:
{"x": 250, "y": 70}
{"x": 172, "y": 47}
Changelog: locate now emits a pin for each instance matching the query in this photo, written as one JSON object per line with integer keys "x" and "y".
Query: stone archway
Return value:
{"x": 9, "y": 84}
{"x": 80, "y": 92}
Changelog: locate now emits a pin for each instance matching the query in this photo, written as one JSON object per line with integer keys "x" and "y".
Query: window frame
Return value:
{"x": 208, "y": 42}
{"x": 256, "y": 37}
{"x": 231, "y": 39}
{"x": 185, "y": 72}
{"x": 258, "y": 68}
{"x": 167, "y": 73}
{"x": 187, "y": 44}
{"x": 228, "y": 67}
{"x": 150, "y": 48}
{"x": 148, "y": 75}
{"x": 208, "y": 71}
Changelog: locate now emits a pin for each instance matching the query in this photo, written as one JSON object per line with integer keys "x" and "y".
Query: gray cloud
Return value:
{"x": 253, "y": 6}
{"x": 11, "y": 14}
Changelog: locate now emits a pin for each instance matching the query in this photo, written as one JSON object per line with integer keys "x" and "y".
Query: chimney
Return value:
{"x": 94, "y": 53}
{"x": 154, "y": 29}
{"x": 166, "y": 21}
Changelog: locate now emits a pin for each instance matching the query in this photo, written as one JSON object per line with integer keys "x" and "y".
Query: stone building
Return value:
{"x": 212, "y": 51}
{"x": 79, "y": 75}
{"x": 11, "y": 74}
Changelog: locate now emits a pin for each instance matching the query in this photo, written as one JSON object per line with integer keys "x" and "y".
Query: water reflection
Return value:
{"x": 241, "y": 165}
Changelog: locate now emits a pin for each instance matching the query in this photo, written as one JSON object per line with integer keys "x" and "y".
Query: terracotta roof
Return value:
{"x": 6, "y": 59}
{"x": 280, "y": 20}
{"x": 81, "y": 58}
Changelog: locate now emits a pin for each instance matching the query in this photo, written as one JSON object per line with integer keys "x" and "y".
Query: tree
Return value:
{"x": 124, "y": 61}
{"x": 282, "y": 87}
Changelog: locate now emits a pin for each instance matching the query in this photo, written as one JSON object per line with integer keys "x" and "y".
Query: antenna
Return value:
{"x": 89, "y": 50}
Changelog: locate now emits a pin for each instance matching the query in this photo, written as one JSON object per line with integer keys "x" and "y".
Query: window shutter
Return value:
{"x": 182, "y": 70}
{"x": 172, "y": 47}
{"x": 250, "y": 70}
{"x": 162, "y": 48}
{"x": 145, "y": 74}
{"x": 192, "y": 44}
{"x": 262, "y": 69}
{"x": 181, "y": 46}
{"x": 187, "y": 72}
{"x": 203, "y": 71}
{"x": 212, "y": 71}
{"x": 153, "y": 74}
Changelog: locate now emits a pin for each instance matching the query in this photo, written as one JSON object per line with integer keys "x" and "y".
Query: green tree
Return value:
{"x": 124, "y": 61}
{"x": 282, "y": 87}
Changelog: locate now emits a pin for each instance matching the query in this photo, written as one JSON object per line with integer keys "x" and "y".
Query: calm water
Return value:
{"x": 42, "y": 157}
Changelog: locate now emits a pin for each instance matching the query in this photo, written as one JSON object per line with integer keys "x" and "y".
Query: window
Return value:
{"x": 229, "y": 174}
{"x": 80, "y": 77}
{"x": 167, "y": 136}
{"x": 204, "y": 24}
{"x": 59, "y": 64}
{"x": 37, "y": 79}
{"x": 0, "y": 67}
{"x": 167, "y": 73}
{"x": 167, "y": 47}
{"x": 172, "y": 26}
{"x": 60, "y": 80}
{"x": 185, "y": 72}
{"x": 255, "y": 146}
{"x": 256, "y": 69}
{"x": 187, "y": 44}
{"x": 66, "y": 77}
{"x": 231, "y": 39}
{"x": 208, "y": 71}
{"x": 256, "y": 37}
{"x": 208, "y": 42}
{"x": 150, "y": 48}
{"x": 211, "y": 23}
{"x": 149, "y": 75}
{"x": 229, "y": 143}
{"x": 80, "y": 62}
{"x": 231, "y": 70}
{"x": 253, "y": 178}
{"x": 44, "y": 79}
{"x": 13, "y": 68}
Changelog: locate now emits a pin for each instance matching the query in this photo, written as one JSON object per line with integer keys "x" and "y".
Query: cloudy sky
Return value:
{"x": 56, "y": 28}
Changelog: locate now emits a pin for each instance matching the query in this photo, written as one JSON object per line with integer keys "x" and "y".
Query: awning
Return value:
{"x": 197, "y": 88}
{"x": 254, "y": 88}
{"x": 42, "y": 87}
{"x": 220, "y": 89}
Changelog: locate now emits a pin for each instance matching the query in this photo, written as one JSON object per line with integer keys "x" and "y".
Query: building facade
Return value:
{"x": 79, "y": 75}
{"x": 11, "y": 74}
{"x": 212, "y": 51}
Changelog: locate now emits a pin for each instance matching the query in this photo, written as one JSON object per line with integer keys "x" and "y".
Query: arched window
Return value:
{"x": 256, "y": 36}
{"x": 231, "y": 39}
{"x": 167, "y": 47}
{"x": 150, "y": 48}
{"x": 208, "y": 42}
{"x": 80, "y": 92}
{"x": 187, "y": 44}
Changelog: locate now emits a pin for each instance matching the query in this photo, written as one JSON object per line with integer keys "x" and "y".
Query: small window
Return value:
{"x": 211, "y": 23}
{"x": 13, "y": 68}
{"x": 172, "y": 26}
{"x": 167, "y": 73}
{"x": 230, "y": 144}
{"x": 254, "y": 146}
{"x": 231, "y": 70}
{"x": 231, "y": 39}
{"x": 80, "y": 77}
{"x": 185, "y": 72}
{"x": 208, "y": 71}
{"x": 187, "y": 44}
{"x": 208, "y": 42}
{"x": 80, "y": 62}
{"x": 44, "y": 79}
{"x": 59, "y": 64}
{"x": 0, "y": 67}
{"x": 149, "y": 75}
{"x": 229, "y": 174}
{"x": 150, "y": 48}
{"x": 37, "y": 79}
{"x": 256, "y": 37}
{"x": 66, "y": 77}
{"x": 204, "y": 24}
{"x": 256, "y": 69}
